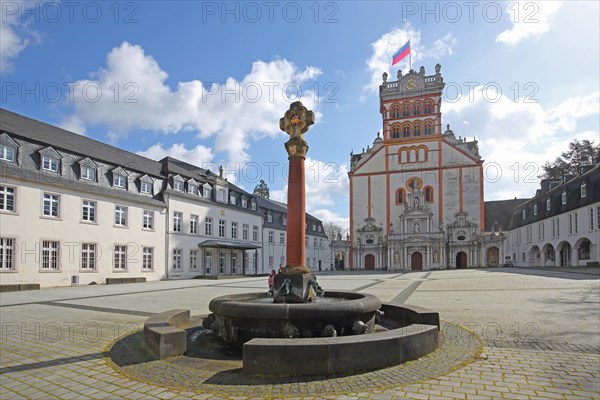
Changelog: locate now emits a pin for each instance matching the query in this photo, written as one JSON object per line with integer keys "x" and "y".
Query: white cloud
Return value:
{"x": 529, "y": 19}
{"x": 136, "y": 96}
{"x": 517, "y": 138}
{"x": 15, "y": 35}
{"x": 329, "y": 216}
{"x": 326, "y": 184}
{"x": 388, "y": 44}
{"x": 198, "y": 156}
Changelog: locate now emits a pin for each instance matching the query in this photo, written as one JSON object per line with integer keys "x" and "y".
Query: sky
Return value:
{"x": 207, "y": 82}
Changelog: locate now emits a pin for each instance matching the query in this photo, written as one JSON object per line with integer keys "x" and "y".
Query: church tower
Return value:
{"x": 416, "y": 194}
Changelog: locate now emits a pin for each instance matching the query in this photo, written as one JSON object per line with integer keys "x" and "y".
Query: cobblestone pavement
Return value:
{"x": 539, "y": 329}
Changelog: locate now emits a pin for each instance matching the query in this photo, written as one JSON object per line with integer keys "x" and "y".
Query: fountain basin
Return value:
{"x": 239, "y": 318}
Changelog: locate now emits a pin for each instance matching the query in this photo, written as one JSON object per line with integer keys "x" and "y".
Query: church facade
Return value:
{"x": 417, "y": 194}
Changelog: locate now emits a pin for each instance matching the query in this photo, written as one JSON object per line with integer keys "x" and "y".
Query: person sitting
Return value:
{"x": 271, "y": 282}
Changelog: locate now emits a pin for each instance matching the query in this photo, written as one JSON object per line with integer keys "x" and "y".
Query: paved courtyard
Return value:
{"x": 538, "y": 336}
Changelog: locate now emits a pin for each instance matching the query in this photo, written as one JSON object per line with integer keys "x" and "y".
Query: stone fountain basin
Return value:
{"x": 242, "y": 317}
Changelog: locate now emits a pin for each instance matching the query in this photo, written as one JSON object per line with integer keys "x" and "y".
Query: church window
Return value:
{"x": 405, "y": 112}
{"x": 400, "y": 196}
{"x": 406, "y": 131}
{"x": 416, "y": 109}
{"x": 428, "y": 128}
{"x": 428, "y": 194}
{"x": 417, "y": 129}
{"x": 428, "y": 108}
{"x": 395, "y": 112}
{"x": 395, "y": 132}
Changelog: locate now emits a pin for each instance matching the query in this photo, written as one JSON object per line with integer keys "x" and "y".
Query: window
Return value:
{"x": 400, "y": 196}
{"x": 281, "y": 238}
{"x": 233, "y": 263}
{"x": 178, "y": 185}
{"x": 285, "y": 221}
{"x": 417, "y": 129}
{"x": 207, "y": 262}
{"x": 584, "y": 250}
{"x": 553, "y": 228}
{"x": 583, "y": 189}
{"x": 177, "y": 221}
{"x": 7, "y": 153}
{"x": 253, "y": 205}
{"x": 428, "y": 128}
{"x": 120, "y": 216}
{"x": 271, "y": 261}
{"x": 50, "y": 255}
{"x": 148, "y": 219}
{"x": 120, "y": 257}
{"x": 221, "y": 262}
{"x": 208, "y": 226}
{"x": 88, "y": 211}
{"x": 417, "y": 109}
{"x": 221, "y": 228}
{"x": 234, "y": 230}
{"x": 306, "y": 243}
{"x": 233, "y": 200}
{"x": 428, "y": 194}
{"x": 591, "y": 219}
{"x": 245, "y": 228}
{"x": 271, "y": 233}
{"x": 564, "y": 197}
{"x": 7, "y": 254}
{"x": 88, "y": 256}
{"x": 319, "y": 228}
{"x": 51, "y": 205}
{"x": 395, "y": 112}
{"x": 575, "y": 226}
{"x": 395, "y": 132}
{"x": 7, "y": 199}
{"x": 315, "y": 242}
{"x": 535, "y": 209}
{"x": 177, "y": 258}
{"x": 206, "y": 191}
{"x": 255, "y": 233}
{"x": 194, "y": 224}
{"x": 88, "y": 173}
{"x": 570, "y": 224}
{"x": 269, "y": 218}
{"x": 523, "y": 214}
{"x": 427, "y": 108}
{"x": 50, "y": 164}
{"x": 321, "y": 243}
{"x": 244, "y": 203}
{"x": 193, "y": 189}
{"x": 548, "y": 204}
{"x": 314, "y": 227}
{"x": 405, "y": 112}
{"x": 146, "y": 187}
{"x": 119, "y": 181}
{"x": 194, "y": 259}
{"x": 147, "y": 258}
{"x": 406, "y": 131}
{"x": 557, "y": 227}
{"x": 221, "y": 195}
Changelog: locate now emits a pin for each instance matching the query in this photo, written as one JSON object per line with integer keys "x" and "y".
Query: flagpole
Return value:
{"x": 409, "y": 56}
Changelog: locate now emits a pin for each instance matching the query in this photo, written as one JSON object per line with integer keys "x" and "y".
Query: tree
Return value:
{"x": 332, "y": 230}
{"x": 569, "y": 162}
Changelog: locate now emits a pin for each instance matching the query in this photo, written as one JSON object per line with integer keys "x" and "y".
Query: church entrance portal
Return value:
{"x": 492, "y": 257}
{"x": 369, "y": 261}
{"x": 461, "y": 260}
{"x": 416, "y": 261}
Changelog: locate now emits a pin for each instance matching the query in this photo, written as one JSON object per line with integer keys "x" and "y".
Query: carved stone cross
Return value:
{"x": 295, "y": 123}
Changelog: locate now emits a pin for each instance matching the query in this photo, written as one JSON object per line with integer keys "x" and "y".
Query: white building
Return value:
{"x": 560, "y": 226}
{"x": 77, "y": 211}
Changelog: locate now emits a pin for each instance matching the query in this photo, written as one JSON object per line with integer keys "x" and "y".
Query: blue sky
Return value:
{"x": 207, "y": 82}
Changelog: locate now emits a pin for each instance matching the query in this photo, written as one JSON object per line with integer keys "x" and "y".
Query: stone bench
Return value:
{"x": 113, "y": 281}
{"x": 417, "y": 334}
{"x": 165, "y": 334}
{"x": 19, "y": 287}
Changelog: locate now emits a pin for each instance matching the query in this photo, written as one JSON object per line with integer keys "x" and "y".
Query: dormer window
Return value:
{"x": 206, "y": 191}
{"x": 221, "y": 195}
{"x": 253, "y": 205}
{"x": 535, "y": 209}
{"x": 244, "y": 203}
{"x": 7, "y": 153}
{"x": 88, "y": 173}
{"x": 146, "y": 187}
{"x": 583, "y": 189}
{"x": 192, "y": 189}
{"x": 564, "y": 197}
{"x": 548, "y": 204}
{"x": 233, "y": 199}
{"x": 50, "y": 164}
{"x": 269, "y": 218}
{"x": 119, "y": 181}
{"x": 523, "y": 214}
{"x": 284, "y": 221}
{"x": 178, "y": 185}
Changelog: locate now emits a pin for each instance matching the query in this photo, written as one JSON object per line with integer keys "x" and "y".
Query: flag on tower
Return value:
{"x": 400, "y": 54}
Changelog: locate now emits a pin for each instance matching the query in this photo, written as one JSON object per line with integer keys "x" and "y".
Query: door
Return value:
{"x": 416, "y": 261}
{"x": 369, "y": 261}
{"x": 461, "y": 260}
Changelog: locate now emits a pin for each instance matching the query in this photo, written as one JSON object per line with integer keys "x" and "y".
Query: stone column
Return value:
{"x": 295, "y": 123}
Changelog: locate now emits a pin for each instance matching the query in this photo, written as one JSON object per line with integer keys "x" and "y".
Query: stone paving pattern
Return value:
{"x": 539, "y": 329}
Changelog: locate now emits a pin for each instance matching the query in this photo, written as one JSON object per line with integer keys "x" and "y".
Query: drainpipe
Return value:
{"x": 167, "y": 237}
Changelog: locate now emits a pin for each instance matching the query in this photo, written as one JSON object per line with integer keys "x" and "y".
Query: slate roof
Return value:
{"x": 574, "y": 199}
{"x": 500, "y": 211}
{"x": 31, "y": 129}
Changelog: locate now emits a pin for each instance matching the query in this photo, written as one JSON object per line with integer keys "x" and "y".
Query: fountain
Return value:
{"x": 302, "y": 329}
